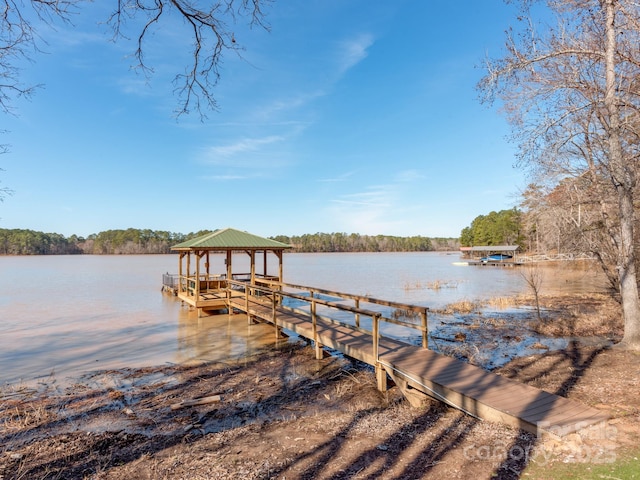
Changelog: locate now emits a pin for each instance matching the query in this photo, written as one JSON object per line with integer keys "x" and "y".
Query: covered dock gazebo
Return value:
{"x": 203, "y": 282}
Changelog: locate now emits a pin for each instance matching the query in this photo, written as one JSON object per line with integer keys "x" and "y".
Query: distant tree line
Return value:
{"x": 145, "y": 241}
{"x": 133, "y": 241}
{"x": 28, "y": 242}
{"x": 109, "y": 242}
{"x": 496, "y": 228}
{"x": 343, "y": 242}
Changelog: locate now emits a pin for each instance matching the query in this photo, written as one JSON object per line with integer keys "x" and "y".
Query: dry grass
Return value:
{"x": 466, "y": 351}
{"x": 502, "y": 302}
{"x": 463, "y": 306}
{"x": 478, "y": 322}
{"x": 403, "y": 315}
{"x": 333, "y": 423}
{"x": 18, "y": 415}
{"x": 434, "y": 285}
{"x": 18, "y": 390}
{"x": 581, "y": 316}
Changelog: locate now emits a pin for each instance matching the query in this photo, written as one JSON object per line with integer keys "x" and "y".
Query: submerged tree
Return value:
{"x": 208, "y": 22}
{"x": 572, "y": 94}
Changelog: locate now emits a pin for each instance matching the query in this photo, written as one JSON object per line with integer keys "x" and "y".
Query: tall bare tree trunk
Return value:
{"x": 624, "y": 183}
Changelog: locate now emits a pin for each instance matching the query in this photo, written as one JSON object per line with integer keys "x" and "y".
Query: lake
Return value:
{"x": 64, "y": 316}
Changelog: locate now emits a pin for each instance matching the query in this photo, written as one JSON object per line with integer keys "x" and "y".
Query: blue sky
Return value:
{"x": 356, "y": 116}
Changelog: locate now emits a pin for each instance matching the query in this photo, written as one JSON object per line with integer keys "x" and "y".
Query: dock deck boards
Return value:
{"x": 472, "y": 389}
{"x": 529, "y": 406}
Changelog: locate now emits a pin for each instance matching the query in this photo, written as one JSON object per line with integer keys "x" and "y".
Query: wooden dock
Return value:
{"x": 341, "y": 321}
{"x": 494, "y": 263}
{"x": 417, "y": 371}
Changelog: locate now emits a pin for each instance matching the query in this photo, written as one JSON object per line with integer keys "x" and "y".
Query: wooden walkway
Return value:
{"x": 418, "y": 371}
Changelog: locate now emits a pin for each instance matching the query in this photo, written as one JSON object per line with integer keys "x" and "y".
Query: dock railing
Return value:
{"x": 192, "y": 285}
{"x": 268, "y": 292}
{"x": 469, "y": 388}
{"x": 170, "y": 282}
{"x": 554, "y": 257}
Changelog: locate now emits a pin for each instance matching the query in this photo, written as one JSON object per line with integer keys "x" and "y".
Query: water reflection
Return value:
{"x": 219, "y": 337}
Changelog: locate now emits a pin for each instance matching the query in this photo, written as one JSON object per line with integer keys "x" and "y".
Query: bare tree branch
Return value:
{"x": 19, "y": 41}
{"x": 210, "y": 23}
{"x": 211, "y": 37}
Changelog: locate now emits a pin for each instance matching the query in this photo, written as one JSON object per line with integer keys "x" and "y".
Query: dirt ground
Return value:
{"x": 284, "y": 415}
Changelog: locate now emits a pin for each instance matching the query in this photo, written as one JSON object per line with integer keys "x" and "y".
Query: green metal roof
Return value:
{"x": 230, "y": 239}
{"x": 491, "y": 248}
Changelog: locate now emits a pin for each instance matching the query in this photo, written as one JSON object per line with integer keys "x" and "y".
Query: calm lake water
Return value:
{"x": 64, "y": 316}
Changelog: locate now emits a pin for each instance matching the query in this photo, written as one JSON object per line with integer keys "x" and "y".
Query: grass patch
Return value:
{"x": 464, "y": 351}
{"x": 623, "y": 467}
{"x": 408, "y": 316}
{"x": 501, "y": 302}
{"x": 435, "y": 285}
{"x": 24, "y": 415}
{"x": 463, "y": 306}
{"x": 581, "y": 316}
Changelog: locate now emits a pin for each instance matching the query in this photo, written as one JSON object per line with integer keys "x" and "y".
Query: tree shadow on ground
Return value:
{"x": 113, "y": 437}
{"x": 561, "y": 373}
{"x": 88, "y": 433}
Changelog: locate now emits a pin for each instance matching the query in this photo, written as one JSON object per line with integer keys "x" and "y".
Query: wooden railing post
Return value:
{"x": 246, "y": 303}
{"x": 381, "y": 373}
{"x": 425, "y": 329}
{"x": 375, "y": 334}
{"x": 314, "y": 323}
{"x": 274, "y": 316}
{"x": 357, "y": 314}
{"x": 227, "y": 292}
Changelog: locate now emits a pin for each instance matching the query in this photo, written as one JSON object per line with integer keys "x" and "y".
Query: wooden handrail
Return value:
{"x": 423, "y": 311}
{"x": 328, "y": 303}
{"x": 357, "y": 310}
{"x": 351, "y": 296}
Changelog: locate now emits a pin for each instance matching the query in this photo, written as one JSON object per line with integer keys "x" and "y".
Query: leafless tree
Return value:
{"x": 534, "y": 278}
{"x": 4, "y": 191}
{"x": 210, "y": 23}
{"x": 572, "y": 94}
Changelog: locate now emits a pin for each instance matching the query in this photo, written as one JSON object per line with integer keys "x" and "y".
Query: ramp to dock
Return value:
{"x": 415, "y": 369}
{"x": 487, "y": 395}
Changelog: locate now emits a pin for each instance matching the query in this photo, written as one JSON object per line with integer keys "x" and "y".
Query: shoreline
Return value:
{"x": 284, "y": 414}
{"x": 584, "y": 317}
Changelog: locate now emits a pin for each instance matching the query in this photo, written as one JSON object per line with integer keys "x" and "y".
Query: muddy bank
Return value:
{"x": 283, "y": 414}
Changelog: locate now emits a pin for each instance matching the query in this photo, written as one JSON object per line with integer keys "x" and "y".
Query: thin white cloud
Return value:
{"x": 135, "y": 85}
{"x": 222, "y": 154}
{"x": 377, "y": 197}
{"x": 69, "y": 36}
{"x": 225, "y": 178}
{"x": 381, "y": 208}
{"x": 405, "y": 176}
{"x": 286, "y": 105}
{"x": 353, "y": 51}
{"x": 343, "y": 177}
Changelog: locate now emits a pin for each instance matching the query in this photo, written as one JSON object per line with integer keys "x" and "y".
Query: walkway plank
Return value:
{"x": 531, "y": 406}
{"x": 472, "y": 389}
